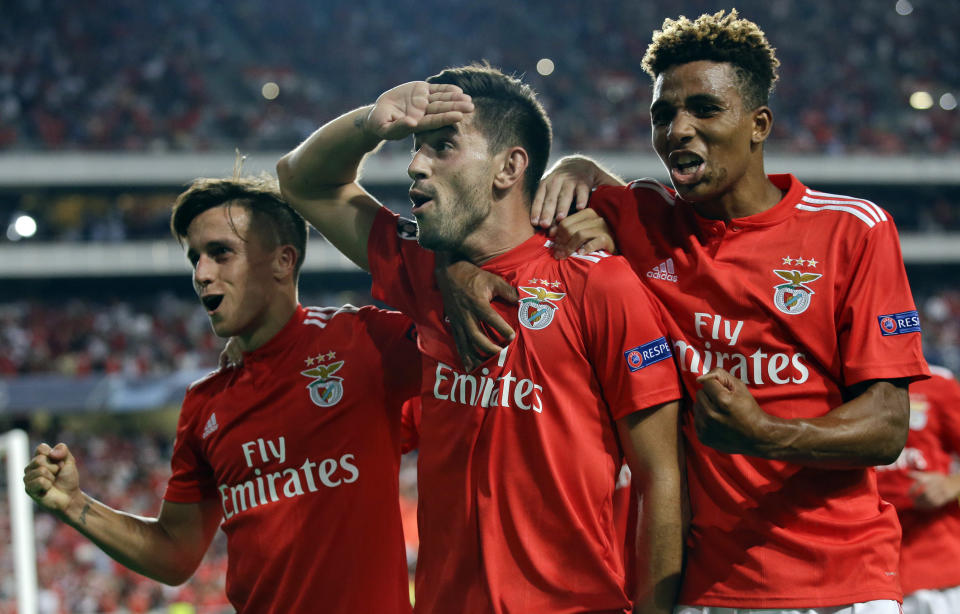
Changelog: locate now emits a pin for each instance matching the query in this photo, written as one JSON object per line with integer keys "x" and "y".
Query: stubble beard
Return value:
{"x": 446, "y": 232}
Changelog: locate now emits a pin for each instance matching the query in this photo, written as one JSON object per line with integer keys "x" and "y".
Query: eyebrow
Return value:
{"x": 207, "y": 247}
{"x": 418, "y": 137}
{"x": 689, "y": 100}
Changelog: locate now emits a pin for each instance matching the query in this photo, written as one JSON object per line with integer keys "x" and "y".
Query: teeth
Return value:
{"x": 688, "y": 159}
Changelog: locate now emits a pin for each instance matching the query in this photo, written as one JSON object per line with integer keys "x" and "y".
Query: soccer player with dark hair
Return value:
{"x": 924, "y": 486}
{"x": 793, "y": 325}
{"x": 296, "y": 451}
{"x": 518, "y": 458}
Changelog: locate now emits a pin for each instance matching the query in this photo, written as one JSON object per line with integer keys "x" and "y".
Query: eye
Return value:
{"x": 661, "y": 117}
{"x": 444, "y": 145}
{"x": 219, "y": 253}
{"x": 706, "y": 109}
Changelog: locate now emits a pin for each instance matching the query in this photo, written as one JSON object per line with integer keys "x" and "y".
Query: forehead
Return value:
{"x": 700, "y": 78}
{"x": 221, "y": 223}
{"x": 465, "y": 130}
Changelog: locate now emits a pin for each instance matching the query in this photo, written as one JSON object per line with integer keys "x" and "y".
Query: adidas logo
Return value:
{"x": 210, "y": 427}
{"x": 664, "y": 271}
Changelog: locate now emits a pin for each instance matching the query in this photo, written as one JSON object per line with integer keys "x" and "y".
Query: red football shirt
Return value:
{"x": 301, "y": 445}
{"x": 518, "y": 460}
{"x": 799, "y": 301}
{"x": 930, "y": 551}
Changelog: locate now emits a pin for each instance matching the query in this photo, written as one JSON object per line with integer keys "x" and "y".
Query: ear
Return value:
{"x": 284, "y": 262}
{"x": 762, "y": 124}
{"x": 513, "y": 164}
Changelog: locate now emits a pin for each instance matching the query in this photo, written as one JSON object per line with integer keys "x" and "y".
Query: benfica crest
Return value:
{"x": 325, "y": 390}
{"x": 536, "y": 311}
{"x": 793, "y": 297}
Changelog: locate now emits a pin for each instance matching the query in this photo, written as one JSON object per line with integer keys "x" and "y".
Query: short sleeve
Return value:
{"x": 877, "y": 322}
{"x": 605, "y": 200}
{"x": 948, "y": 414}
{"x": 192, "y": 478}
{"x": 395, "y": 337}
{"x": 399, "y": 266}
{"x": 627, "y": 340}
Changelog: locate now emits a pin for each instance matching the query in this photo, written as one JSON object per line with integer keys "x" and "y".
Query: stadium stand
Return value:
{"x": 187, "y": 76}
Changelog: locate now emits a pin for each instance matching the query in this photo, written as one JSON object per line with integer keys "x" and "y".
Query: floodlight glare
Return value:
{"x": 25, "y": 226}
{"x": 545, "y": 67}
{"x": 921, "y": 100}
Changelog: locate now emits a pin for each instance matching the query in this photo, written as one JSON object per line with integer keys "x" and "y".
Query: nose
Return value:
{"x": 419, "y": 167}
{"x": 203, "y": 272}
{"x": 681, "y": 128}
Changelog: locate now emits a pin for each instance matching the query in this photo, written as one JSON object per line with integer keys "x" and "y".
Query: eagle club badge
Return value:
{"x": 325, "y": 389}
{"x": 536, "y": 310}
{"x": 793, "y": 297}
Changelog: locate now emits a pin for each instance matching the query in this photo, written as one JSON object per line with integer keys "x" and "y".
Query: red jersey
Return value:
{"x": 301, "y": 446}
{"x": 800, "y": 302}
{"x": 930, "y": 551}
{"x": 518, "y": 460}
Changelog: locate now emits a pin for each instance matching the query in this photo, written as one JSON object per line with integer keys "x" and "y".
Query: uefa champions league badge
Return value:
{"x": 325, "y": 389}
{"x": 536, "y": 310}
{"x": 793, "y": 297}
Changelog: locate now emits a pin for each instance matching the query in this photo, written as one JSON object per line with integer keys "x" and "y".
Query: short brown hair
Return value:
{"x": 507, "y": 113}
{"x": 718, "y": 38}
{"x": 274, "y": 221}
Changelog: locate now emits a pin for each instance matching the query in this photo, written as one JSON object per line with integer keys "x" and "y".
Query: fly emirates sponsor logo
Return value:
{"x": 759, "y": 367}
{"x": 268, "y": 487}
{"x": 507, "y": 390}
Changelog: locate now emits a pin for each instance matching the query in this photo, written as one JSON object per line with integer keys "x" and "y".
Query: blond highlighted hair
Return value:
{"x": 721, "y": 37}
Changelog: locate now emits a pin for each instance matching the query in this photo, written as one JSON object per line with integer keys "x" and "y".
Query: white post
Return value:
{"x": 16, "y": 445}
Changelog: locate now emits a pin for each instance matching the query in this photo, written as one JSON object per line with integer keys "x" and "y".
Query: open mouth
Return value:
{"x": 211, "y": 302}
{"x": 419, "y": 199}
{"x": 686, "y": 167}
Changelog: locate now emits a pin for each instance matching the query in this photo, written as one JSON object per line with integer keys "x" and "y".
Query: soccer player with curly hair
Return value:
{"x": 792, "y": 323}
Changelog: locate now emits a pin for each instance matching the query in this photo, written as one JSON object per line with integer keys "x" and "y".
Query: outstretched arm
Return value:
{"x": 167, "y": 548}
{"x": 319, "y": 177}
{"x": 869, "y": 429}
{"x": 650, "y": 442}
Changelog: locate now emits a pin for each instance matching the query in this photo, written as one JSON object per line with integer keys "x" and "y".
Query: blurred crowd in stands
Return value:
{"x": 188, "y": 76}
{"x": 128, "y": 470}
{"x": 141, "y": 336}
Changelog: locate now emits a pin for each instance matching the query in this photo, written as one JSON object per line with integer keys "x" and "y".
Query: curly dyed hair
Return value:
{"x": 718, "y": 38}
{"x": 271, "y": 218}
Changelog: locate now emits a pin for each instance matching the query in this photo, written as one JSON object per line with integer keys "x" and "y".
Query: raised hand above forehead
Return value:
{"x": 417, "y": 106}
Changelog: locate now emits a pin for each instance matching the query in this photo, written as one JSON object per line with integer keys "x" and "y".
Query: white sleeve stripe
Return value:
{"x": 860, "y": 214}
{"x": 941, "y": 371}
{"x": 319, "y": 323}
{"x": 589, "y": 257}
{"x": 849, "y": 203}
{"x": 879, "y": 212}
{"x": 654, "y": 185}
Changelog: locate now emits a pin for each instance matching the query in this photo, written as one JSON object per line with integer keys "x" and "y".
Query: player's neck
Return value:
{"x": 507, "y": 226}
{"x": 275, "y": 317}
{"x": 754, "y": 193}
